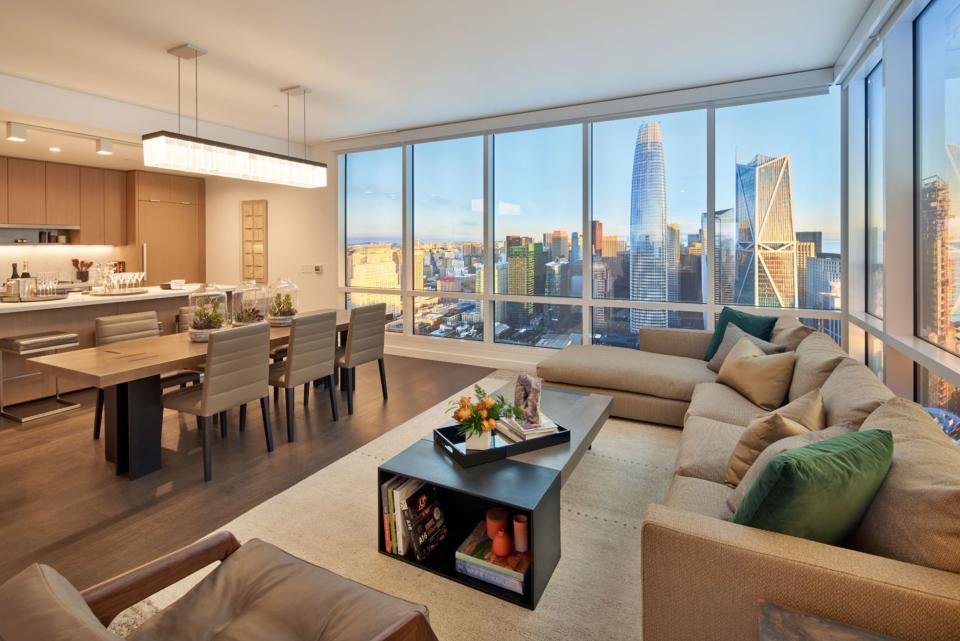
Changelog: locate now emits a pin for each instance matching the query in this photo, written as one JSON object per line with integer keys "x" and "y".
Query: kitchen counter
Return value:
{"x": 77, "y": 299}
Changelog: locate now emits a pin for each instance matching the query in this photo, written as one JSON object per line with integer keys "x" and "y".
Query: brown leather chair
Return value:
{"x": 364, "y": 345}
{"x": 310, "y": 354}
{"x": 312, "y": 603}
{"x": 128, "y": 327}
{"x": 236, "y": 372}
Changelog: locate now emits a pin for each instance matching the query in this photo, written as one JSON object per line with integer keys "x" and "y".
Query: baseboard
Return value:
{"x": 455, "y": 351}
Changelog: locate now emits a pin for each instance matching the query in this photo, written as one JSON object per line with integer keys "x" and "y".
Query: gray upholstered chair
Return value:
{"x": 236, "y": 372}
{"x": 310, "y": 354}
{"x": 128, "y": 327}
{"x": 364, "y": 345}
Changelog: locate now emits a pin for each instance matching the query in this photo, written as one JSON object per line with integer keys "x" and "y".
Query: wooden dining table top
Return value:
{"x": 133, "y": 360}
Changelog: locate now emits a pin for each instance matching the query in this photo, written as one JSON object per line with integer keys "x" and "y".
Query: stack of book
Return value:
{"x": 412, "y": 517}
{"x": 476, "y": 559}
{"x": 515, "y": 431}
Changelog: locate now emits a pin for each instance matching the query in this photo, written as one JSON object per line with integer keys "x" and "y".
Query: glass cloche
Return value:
{"x": 208, "y": 305}
{"x": 284, "y": 300}
{"x": 250, "y": 303}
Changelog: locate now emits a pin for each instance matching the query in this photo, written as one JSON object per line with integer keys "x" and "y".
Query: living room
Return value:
{"x": 447, "y": 321}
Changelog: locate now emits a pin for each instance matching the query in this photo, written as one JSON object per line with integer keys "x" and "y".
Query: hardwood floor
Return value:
{"x": 61, "y": 504}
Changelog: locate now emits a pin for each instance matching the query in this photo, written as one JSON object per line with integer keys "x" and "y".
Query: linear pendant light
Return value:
{"x": 192, "y": 154}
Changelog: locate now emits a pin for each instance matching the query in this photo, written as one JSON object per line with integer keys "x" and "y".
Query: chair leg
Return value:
{"x": 306, "y": 393}
{"x": 265, "y": 413}
{"x": 348, "y": 374}
{"x": 290, "y": 392}
{"x": 333, "y": 398}
{"x": 243, "y": 417}
{"x": 383, "y": 378}
{"x": 223, "y": 425}
{"x": 276, "y": 395}
{"x": 353, "y": 378}
{"x": 207, "y": 436}
{"x": 98, "y": 415}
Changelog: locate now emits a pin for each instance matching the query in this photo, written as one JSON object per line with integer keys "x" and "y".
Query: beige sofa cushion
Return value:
{"x": 731, "y": 336}
{"x": 764, "y": 379}
{"x": 915, "y": 517}
{"x": 719, "y": 402}
{"x": 628, "y": 370}
{"x": 699, "y": 496}
{"x": 852, "y": 392}
{"x": 783, "y": 445}
{"x": 817, "y": 356}
{"x": 705, "y": 448}
{"x": 789, "y": 332}
{"x": 807, "y": 410}
{"x": 755, "y": 439}
{"x": 39, "y": 604}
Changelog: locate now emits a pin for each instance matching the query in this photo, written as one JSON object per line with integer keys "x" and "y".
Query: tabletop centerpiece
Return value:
{"x": 209, "y": 306}
{"x": 250, "y": 303}
{"x": 284, "y": 298}
{"x": 478, "y": 418}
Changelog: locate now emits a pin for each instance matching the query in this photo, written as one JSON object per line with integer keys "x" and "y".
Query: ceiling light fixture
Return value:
{"x": 16, "y": 132}
{"x": 104, "y": 147}
{"x": 55, "y": 150}
{"x": 192, "y": 154}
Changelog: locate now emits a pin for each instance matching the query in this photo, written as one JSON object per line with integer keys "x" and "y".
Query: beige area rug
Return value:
{"x": 328, "y": 519}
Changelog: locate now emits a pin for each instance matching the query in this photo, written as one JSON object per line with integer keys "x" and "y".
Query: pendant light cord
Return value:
{"x": 179, "y": 129}
{"x": 304, "y": 126}
{"x": 288, "y": 124}
{"x": 196, "y": 96}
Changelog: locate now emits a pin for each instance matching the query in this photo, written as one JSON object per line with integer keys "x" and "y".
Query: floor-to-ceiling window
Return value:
{"x": 875, "y": 224}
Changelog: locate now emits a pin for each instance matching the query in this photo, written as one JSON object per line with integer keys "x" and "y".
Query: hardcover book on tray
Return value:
{"x": 475, "y": 558}
{"x": 424, "y": 521}
{"x": 516, "y": 431}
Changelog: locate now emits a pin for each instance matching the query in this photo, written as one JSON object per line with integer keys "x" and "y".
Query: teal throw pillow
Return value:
{"x": 759, "y": 326}
{"x": 820, "y": 491}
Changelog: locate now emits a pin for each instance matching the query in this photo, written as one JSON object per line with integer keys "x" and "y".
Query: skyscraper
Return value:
{"x": 935, "y": 290}
{"x": 724, "y": 260}
{"x": 596, "y": 240}
{"x": 520, "y": 278}
{"x": 648, "y": 220}
{"x": 805, "y": 250}
{"x": 822, "y": 290}
{"x": 766, "y": 244}
{"x": 671, "y": 249}
{"x": 559, "y": 245}
{"x": 574, "y": 247}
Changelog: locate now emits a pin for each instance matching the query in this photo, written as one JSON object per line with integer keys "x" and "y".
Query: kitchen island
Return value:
{"x": 76, "y": 314}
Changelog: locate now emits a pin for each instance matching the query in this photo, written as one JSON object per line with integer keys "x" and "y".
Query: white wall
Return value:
{"x": 302, "y": 230}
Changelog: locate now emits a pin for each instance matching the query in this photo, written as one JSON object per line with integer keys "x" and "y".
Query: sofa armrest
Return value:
{"x": 704, "y": 578}
{"x": 691, "y": 343}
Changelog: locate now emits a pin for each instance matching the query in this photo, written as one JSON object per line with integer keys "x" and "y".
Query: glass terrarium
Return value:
{"x": 250, "y": 303}
{"x": 208, "y": 305}
{"x": 284, "y": 299}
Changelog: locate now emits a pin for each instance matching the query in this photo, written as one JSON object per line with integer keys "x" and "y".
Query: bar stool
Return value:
{"x": 364, "y": 345}
{"x": 35, "y": 345}
{"x": 310, "y": 355}
{"x": 236, "y": 373}
{"x": 128, "y": 327}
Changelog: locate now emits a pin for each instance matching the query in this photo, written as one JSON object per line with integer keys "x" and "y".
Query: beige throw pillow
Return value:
{"x": 783, "y": 445}
{"x": 732, "y": 336}
{"x": 789, "y": 332}
{"x": 763, "y": 379}
{"x": 809, "y": 410}
{"x": 760, "y": 434}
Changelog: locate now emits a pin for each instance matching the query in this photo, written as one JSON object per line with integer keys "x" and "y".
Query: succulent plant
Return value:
{"x": 282, "y": 305}
{"x": 251, "y": 314}
{"x": 207, "y": 316}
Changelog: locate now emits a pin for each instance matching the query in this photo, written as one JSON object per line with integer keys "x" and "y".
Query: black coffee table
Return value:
{"x": 529, "y": 484}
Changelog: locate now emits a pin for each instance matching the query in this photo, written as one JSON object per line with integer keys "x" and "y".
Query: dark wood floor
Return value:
{"x": 61, "y": 504}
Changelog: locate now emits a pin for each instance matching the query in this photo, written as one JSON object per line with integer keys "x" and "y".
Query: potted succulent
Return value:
{"x": 478, "y": 418}
{"x": 282, "y": 310}
{"x": 247, "y": 315}
{"x": 249, "y": 303}
{"x": 207, "y": 317}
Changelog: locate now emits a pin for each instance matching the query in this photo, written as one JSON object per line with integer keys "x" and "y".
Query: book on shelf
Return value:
{"x": 424, "y": 521}
{"x": 476, "y": 550}
{"x": 386, "y": 503}
{"x": 489, "y": 576}
{"x": 400, "y": 494}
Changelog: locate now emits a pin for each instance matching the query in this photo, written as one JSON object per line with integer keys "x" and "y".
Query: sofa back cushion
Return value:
{"x": 788, "y": 332}
{"x": 732, "y": 336}
{"x": 819, "y": 491}
{"x": 762, "y": 378}
{"x": 817, "y": 356}
{"x": 915, "y": 516}
{"x": 39, "y": 603}
{"x": 852, "y": 392}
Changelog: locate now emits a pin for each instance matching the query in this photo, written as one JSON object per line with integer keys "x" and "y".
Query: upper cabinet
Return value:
{"x": 102, "y": 207}
{"x": 63, "y": 194}
{"x": 4, "y": 217}
{"x": 167, "y": 188}
{"x": 114, "y": 207}
{"x": 26, "y": 192}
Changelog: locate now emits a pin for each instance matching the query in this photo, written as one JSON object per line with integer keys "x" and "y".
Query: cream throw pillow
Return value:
{"x": 731, "y": 336}
{"x": 799, "y": 417}
{"x": 763, "y": 379}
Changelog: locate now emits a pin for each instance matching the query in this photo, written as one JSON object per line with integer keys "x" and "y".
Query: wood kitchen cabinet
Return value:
{"x": 102, "y": 205}
{"x": 114, "y": 207}
{"x": 26, "y": 192}
{"x": 167, "y": 188}
{"x": 62, "y": 194}
{"x": 4, "y": 216}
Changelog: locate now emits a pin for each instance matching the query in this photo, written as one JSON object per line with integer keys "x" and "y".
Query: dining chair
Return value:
{"x": 236, "y": 373}
{"x": 364, "y": 344}
{"x": 311, "y": 351}
{"x": 128, "y": 327}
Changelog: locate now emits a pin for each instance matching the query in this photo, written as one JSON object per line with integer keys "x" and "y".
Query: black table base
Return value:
{"x": 134, "y": 425}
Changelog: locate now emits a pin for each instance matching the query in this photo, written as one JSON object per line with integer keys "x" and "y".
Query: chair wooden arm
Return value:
{"x": 113, "y": 596}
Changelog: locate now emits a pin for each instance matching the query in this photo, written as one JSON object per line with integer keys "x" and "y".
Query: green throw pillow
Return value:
{"x": 820, "y": 491}
{"x": 759, "y": 326}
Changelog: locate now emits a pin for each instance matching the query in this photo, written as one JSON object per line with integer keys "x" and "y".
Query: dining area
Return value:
{"x": 139, "y": 373}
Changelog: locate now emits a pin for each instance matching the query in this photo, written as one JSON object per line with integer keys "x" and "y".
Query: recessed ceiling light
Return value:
{"x": 16, "y": 132}
{"x": 55, "y": 150}
{"x": 104, "y": 147}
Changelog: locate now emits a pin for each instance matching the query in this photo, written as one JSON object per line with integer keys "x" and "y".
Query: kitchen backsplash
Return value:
{"x": 51, "y": 258}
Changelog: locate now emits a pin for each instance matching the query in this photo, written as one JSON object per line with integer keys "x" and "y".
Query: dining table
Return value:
{"x": 129, "y": 373}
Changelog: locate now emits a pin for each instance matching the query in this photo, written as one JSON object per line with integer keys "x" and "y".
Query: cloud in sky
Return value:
{"x": 506, "y": 208}
{"x": 476, "y": 205}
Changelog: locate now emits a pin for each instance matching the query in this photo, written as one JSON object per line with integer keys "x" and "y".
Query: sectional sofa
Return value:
{"x": 704, "y": 577}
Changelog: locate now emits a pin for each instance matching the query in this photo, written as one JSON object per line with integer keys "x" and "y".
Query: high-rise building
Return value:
{"x": 648, "y": 220}
{"x": 574, "y": 247}
{"x": 419, "y": 255}
{"x": 596, "y": 240}
{"x": 935, "y": 288}
{"x": 815, "y": 237}
{"x": 373, "y": 266}
{"x": 822, "y": 290}
{"x": 559, "y": 245}
{"x": 766, "y": 245}
{"x": 671, "y": 249}
{"x": 556, "y": 278}
{"x": 601, "y": 284}
{"x": 805, "y": 249}
{"x": 725, "y": 247}
{"x": 613, "y": 245}
{"x": 520, "y": 281}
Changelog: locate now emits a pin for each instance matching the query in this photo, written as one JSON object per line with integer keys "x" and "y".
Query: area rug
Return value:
{"x": 594, "y": 593}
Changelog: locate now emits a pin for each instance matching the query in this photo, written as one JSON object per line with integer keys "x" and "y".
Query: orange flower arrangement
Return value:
{"x": 476, "y": 417}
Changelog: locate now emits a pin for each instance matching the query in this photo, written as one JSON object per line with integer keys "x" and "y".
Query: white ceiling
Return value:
{"x": 378, "y": 65}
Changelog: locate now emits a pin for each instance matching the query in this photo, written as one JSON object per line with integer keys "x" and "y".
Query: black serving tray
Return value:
{"x": 453, "y": 443}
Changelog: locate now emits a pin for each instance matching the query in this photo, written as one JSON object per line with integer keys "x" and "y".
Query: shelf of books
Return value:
{"x": 444, "y": 531}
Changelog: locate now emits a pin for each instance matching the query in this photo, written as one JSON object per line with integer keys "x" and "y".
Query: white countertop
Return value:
{"x": 77, "y": 299}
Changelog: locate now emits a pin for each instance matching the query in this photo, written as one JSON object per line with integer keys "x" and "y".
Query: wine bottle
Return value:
{"x": 15, "y": 274}
{"x": 26, "y": 270}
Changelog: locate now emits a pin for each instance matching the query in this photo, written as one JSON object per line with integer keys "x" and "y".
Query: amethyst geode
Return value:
{"x": 527, "y": 397}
